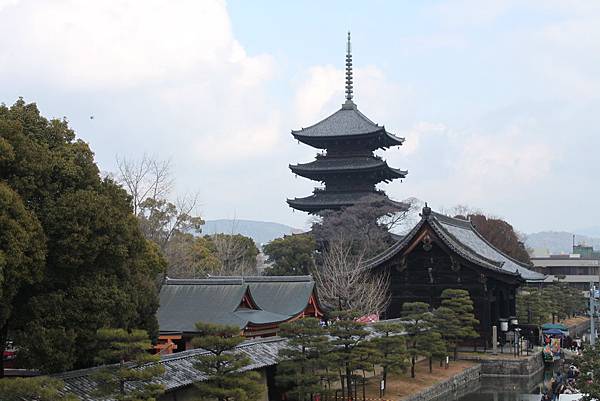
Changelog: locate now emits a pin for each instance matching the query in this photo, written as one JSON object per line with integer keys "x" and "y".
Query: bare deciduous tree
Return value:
{"x": 344, "y": 284}
{"x": 147, "y": 178}
{"x": 366, "y": 225}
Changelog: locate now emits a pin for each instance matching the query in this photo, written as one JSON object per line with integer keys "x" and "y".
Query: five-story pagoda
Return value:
{"x": 348, "y": 167}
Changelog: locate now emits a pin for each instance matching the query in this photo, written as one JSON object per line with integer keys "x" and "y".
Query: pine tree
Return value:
{"x": 391, "y": 349}
{"x": 135, "y": 369}
{"x": 435, "y": 347}
{"x": 589, "y": 367}
{"x": 446, "y": 323}
{"x": 40, "y": 388}
{"x": 461, "y": 303}
{"x": 222, "y": 367}
{"x": 418, "y": 324}
{"x": 302, "y": 366}
{"x": 347, "y": 335}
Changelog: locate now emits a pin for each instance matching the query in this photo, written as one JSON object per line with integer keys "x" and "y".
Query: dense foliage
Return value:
{"x": 541, "y": 305}
{"x": 40, "y": 388}
{"x": 589, "y": 366}
{"x": 98, "y": 269}
{"x": 292, "y": 255}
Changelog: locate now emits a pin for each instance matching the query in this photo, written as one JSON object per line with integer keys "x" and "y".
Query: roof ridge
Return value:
{"x": 265, "y": 279}
{"x": 227, "y": 280}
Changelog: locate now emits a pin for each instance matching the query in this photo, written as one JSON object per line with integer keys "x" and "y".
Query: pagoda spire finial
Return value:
{"x": 349, "y": 72}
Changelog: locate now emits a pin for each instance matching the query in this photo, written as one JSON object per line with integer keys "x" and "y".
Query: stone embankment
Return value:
{"x": 455, "y": 384}
{"x": 578, "y": 327}
{"x": 487, "y": 366}
{"x": 505, "y": 366}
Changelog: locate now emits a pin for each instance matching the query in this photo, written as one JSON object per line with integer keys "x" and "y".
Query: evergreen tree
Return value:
{"x": 346, "y": 336}
{"x": 131, "y": 377}
{"x": 302, "y": 365}
{"x": 40, "y": 388}
{"x": 222, "y": 366}
{"x": 461, "y": 303}
{"x": 292, "y": 255}
{"x": 418, "y": 325}
{"x": 22, "y": 255}
{"x": 99, "y": 270}
{"x": 391, "y": 349}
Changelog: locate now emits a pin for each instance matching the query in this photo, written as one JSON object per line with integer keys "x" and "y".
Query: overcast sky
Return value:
{"x": 499, "y": 101}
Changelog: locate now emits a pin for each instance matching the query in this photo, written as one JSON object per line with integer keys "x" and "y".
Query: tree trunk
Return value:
{"x": 455, "y": 352}
{"x": 342, "y": 383}
{"x": 349, "y": 382}
{"x": 3, "y": 339}
{"x": 430, "y": 364}
{"x": 412, "y": 367}
{"x": 384, "y": 379}
{"x": 441, "y": 362}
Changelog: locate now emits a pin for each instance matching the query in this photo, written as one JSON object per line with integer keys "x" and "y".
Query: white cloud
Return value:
{"x": 510, "y": 160}
{"x": 181, "y": 57}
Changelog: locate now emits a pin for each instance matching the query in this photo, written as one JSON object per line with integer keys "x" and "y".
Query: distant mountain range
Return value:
{"x": 557, "y": 242}
{"x": 260, "y": 231}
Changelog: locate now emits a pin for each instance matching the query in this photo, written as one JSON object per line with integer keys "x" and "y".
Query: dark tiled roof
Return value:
{"x": 328, "y": 164}
{"x": 285, "y": 295}
{"x": 179, "y": 368}
{"x": 217, "y": 300}
{"x": 463, "y": 238}
{"x": 348, "y": 121}
{"x": 321, "y": 200}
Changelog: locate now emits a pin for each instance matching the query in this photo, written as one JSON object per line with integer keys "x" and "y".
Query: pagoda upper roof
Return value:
{"x": 348, "y": 122}
{"x": 327, "y": 164}
{"x": 323, "y": 199}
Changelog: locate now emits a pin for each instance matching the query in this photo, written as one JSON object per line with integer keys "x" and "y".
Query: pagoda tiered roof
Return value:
{"x": 326, "y": 166}
{"x": 332, "y": 200}
{"x": 349, "y": 169}
{"x": 348, "y": 123}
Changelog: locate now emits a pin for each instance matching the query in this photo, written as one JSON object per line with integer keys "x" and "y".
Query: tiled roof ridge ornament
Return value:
{"x": 349, "y": 104}
{"x": 426, "y": 212}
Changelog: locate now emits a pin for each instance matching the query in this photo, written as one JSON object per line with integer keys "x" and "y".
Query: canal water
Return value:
{"x": 502, "y": 389}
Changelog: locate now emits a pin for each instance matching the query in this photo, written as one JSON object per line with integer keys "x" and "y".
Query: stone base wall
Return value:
{"x": 579, "y": 329}
{"x": 509, "y": 367}
{"x": 454, "y": 384}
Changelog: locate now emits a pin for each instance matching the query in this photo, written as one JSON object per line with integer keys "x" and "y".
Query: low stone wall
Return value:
{"x": 454, "y": 384}
{"x": 579, "y": 329}
{"x": 523, "y": 367}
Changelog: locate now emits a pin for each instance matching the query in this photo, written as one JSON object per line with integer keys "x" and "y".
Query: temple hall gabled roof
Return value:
{"x": 218, "y": 300}
{"x": 347, "y": 122}
{"x": 460, "y": 236}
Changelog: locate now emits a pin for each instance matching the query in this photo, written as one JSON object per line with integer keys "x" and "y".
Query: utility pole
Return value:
{"x": 592, "y": 323}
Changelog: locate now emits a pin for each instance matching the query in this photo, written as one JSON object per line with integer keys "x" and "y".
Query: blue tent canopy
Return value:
{"x": 554, "y": 332}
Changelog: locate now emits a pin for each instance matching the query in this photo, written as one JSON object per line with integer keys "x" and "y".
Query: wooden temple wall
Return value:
{"x": 423, "y": 276}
